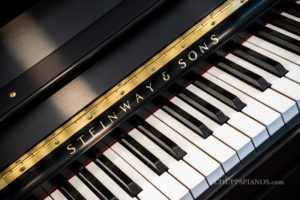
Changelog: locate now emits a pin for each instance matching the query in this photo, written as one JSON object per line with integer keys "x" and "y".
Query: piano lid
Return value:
{"x": 95, "y": 109}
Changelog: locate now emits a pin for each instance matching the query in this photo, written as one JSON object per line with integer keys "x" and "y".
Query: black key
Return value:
{"x": 218, "y": 92}
{"x": 202, "y": 105}
{"x": 118, "y": 176}
{"x": 260, "y": 60}
{"x": 184, "y": 117}
{"x": 143, "y": 154}
{"x": 160, "y": 139}
{"x": 66, "y": 188}
{"x": 286, "y": 23}
{"x": 243, "y": 74}
{"x": 294, "y": 9}
{"x": 95, "y": 185}
{"x": 279, "y": 39}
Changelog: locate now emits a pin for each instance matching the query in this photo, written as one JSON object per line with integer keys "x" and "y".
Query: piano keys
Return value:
{"x": 199, "y": 133}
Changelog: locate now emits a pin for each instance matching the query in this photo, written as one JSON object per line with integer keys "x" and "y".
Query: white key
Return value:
{"x": 270, "y": 118}
{"x": 194, "y": 181}
{"x": 239, "y": 120}
{"x": 297, "y": 19}
{"x": 294, "y": 70}
{"x": 148, "y": 190}
{"x": 275, "y": 49}
{"x": 236, "y": 140}
{"x": 82, "y": 188}
{"x": 107, "y": 181}
{"x": 195, "y": 157}
{"x": 225, "y": 155}
{"x": 165, "y": 183}
{"x": 283, "y": 31}
{"x": 48, "y": 198}
{"x": 285, "y": 106}
{"x": 57, "y": 195}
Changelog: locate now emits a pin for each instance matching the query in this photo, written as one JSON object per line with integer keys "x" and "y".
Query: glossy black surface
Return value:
{"x": 184, "y": 117}
{"x": 286, "y": 23}
{"x": 203, "y": 106}
{"x": 118, "y": 176}
{"x": 279, "y": 39}
{"x": 128, "y": 53}
{"x": 143, "y": 154}
{"x": 218, "y": 92}
{"x": 59, "y": 67}
{"x": 243, "y": 74}
{"x": 160, "y": 139}
{"x": 260, "y": 60}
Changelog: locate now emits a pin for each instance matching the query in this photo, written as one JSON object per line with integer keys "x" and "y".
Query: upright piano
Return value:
{"x": 149, "y": 99}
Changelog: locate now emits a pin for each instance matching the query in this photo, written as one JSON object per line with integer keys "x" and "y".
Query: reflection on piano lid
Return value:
{"x": 177, "y": 128}
{"x": 116, "y": 93}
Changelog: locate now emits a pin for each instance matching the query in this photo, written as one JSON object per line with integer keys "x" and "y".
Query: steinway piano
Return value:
{"x": 149, "y": 99}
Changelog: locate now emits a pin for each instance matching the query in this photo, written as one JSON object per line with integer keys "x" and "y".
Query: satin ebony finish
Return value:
{"x": 243, "y": 74}
{"x": 202, "y": 106}
{"x": 280, "y": 39}
{"x": 260, "y": 60}
{"x": 143, "y": 154}
{"x": 160, "y": 139}
{"x": 184, "y": 117}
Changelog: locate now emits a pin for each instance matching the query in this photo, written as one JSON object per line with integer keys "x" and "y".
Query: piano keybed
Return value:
{"x": 195, "y": 138}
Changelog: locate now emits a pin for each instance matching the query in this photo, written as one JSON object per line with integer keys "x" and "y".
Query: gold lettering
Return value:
{"x": 214, "y": 39}
{"x": 182, "y": 63}
{"x": 102, "y": 124}
{"x": 138, "y": 97}
{"x": 111, "y": 117}
{"x": 71, "y": 149}
{"x": 80, "y": 138}
{"x": 150, "y": 87}
{"x": 192, "y": 55}
{"x": 166, "y": 76}
{"x": 92, "y": 131}
{"x": 202, "y": 48}
{"x": 125, "y": 106}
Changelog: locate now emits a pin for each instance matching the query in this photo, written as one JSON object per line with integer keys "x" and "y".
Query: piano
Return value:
{"x": 156, "y": 99}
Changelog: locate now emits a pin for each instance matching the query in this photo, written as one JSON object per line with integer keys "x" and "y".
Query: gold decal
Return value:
{"x": 71, "y": 149}
{"x": 204, "y": 47}
{"x": 192, "y": 55}
{"x": 165, "y": 76}
{"x": 150, "y": 87}
{"x": 214, "y": 39}
{"x": 92, "y": 131}
{"x": 111, "y": 117}
{"x": 80, "y": 138}
{"x": 125, "y": 106}
{"x": 138, "y": 97}
{"x": 182, "y": 63}
{"x": 102, "y": 124}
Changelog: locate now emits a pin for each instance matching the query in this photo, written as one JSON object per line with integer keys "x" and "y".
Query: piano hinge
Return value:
{"x": 80, "y": 120}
